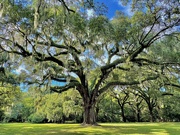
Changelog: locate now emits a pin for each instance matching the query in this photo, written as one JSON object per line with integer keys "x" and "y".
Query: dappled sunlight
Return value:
{"x": 104, "y": 129}
{"x": 159, "y": 132}
{"x": 28, "y": 127}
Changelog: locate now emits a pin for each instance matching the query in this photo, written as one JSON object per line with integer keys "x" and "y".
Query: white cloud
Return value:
{"x": 20, "y": 69}
{"x": 90, "y": 13}
{"x": 126, "y": 9}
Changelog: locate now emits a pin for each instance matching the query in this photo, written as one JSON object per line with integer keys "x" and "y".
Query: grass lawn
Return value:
{"x": 104, "y": 129}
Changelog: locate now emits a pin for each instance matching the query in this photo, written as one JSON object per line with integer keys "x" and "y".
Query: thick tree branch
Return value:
{"x": 150, "y": 41}
{"x": 39, "y": 57}
{"x": 60, "y": 89}
{"x": 144, "y": 61}
{"x": 151, "y": 28}
{"x": 66, "y": 7}
{"x": 63, "y": 79}
{"x": 113, "y": 64}
{"x": 173, "y": 84}
{"x": 21, "y": 51}
{"x": 114, "y": 83}
{"x": 103, "y": 76}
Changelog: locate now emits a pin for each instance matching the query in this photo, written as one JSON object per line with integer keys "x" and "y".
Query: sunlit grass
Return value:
{"x": 104, "y": 129}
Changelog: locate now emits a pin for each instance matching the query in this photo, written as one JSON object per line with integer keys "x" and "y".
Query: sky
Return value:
{"x": 113, "y": 6}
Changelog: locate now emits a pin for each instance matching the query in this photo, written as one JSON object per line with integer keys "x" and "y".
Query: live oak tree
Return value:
{"x": 106, "y": 108}
{"x": 170, "y": 106}
{"x": 122, "y": 96}
{"x": 136, "y": 103}
{"x": 87, "y": 53}
{"x": 58, "y": 107}
{"x": 150, "y": 94}
{"x": 9, "y": 90}
{"x": 8, "y": 94}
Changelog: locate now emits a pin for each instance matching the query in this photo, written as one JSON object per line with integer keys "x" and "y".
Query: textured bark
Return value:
{"x": 122, "y": 114}
{"x": 138, "y": 116}
{"x": 89, "y": 117}
{"x": 138, "y": 111}
{"x": 151, "y": 115}
{"x": 2, "y": 70}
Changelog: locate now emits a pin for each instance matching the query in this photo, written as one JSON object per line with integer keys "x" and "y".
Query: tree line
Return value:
{"x": 120, "y": 105}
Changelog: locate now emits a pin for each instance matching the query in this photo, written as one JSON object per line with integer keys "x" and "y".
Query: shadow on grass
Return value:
{"x": 104, "y": 129}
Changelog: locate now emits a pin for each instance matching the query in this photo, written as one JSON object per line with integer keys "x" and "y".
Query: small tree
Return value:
{"x": 136, "y": 102}
{"x": 122, "y": 97}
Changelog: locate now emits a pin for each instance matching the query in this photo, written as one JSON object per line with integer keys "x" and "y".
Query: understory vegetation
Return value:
{"x": 40, "y": 106}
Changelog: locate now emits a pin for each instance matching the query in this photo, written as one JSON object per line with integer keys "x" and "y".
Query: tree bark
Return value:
{"x": 122, "y": 114}
{"x": 151, "y": 113}
{"x": 138, "y": 116}
{"x": 89, "y": 117}
{"x": 138, "y": 111}
{"x": 151, "y": 116}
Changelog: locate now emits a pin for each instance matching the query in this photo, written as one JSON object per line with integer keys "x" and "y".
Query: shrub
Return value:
{"x": 36, "y": 118}
{"x": 2, "y": 115}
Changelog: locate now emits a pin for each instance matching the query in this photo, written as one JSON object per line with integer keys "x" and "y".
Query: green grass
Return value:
{"x": 104, "y": 129}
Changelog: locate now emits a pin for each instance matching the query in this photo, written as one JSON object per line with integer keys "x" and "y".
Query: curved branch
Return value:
{"x": 150, "y": 41}
{"x": 173, "y": 84}
{"x": 143, "y": 38}
{"x": 51, "y": 58}
{"x": 126, "y": 83}
{"x": 63, "y": 79}
{"x": 113, "y": 64}
{"x": 141, "y": 60}
{"x": 65, "y": 5}
{"x": 60, "y": 89}
{"x": 22, "y": 51}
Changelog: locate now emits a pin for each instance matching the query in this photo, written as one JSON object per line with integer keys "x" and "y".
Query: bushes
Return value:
{"x": 36, "y": 118}
{"x": 2, "y": 115}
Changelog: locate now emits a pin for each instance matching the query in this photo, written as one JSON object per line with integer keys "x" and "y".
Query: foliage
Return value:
{"x": 2, "y": 115}
{"x": 51, "y": 107}
{"x": 36, "y": 118}
{"x": 108, "y": 110}
{"x": 8, "y": 96}
{"x": 170, "y": 107}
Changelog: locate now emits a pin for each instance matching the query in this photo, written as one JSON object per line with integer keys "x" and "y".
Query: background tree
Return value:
{"x": 122, "y": 96}
{"x": 9, "y": 81}
{"x": 136, "y": 102}
{"x": 8, "y": 95}
{"x": 170, "y": 105}
{"x": 108, "y": 109}
{"x": 150, "y": 95}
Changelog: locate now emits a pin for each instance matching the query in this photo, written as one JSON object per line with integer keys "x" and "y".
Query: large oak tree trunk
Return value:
{"x": 152, "y": 119}
{"x": 89, "y": 117}
{"x": 151, "y": 116}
